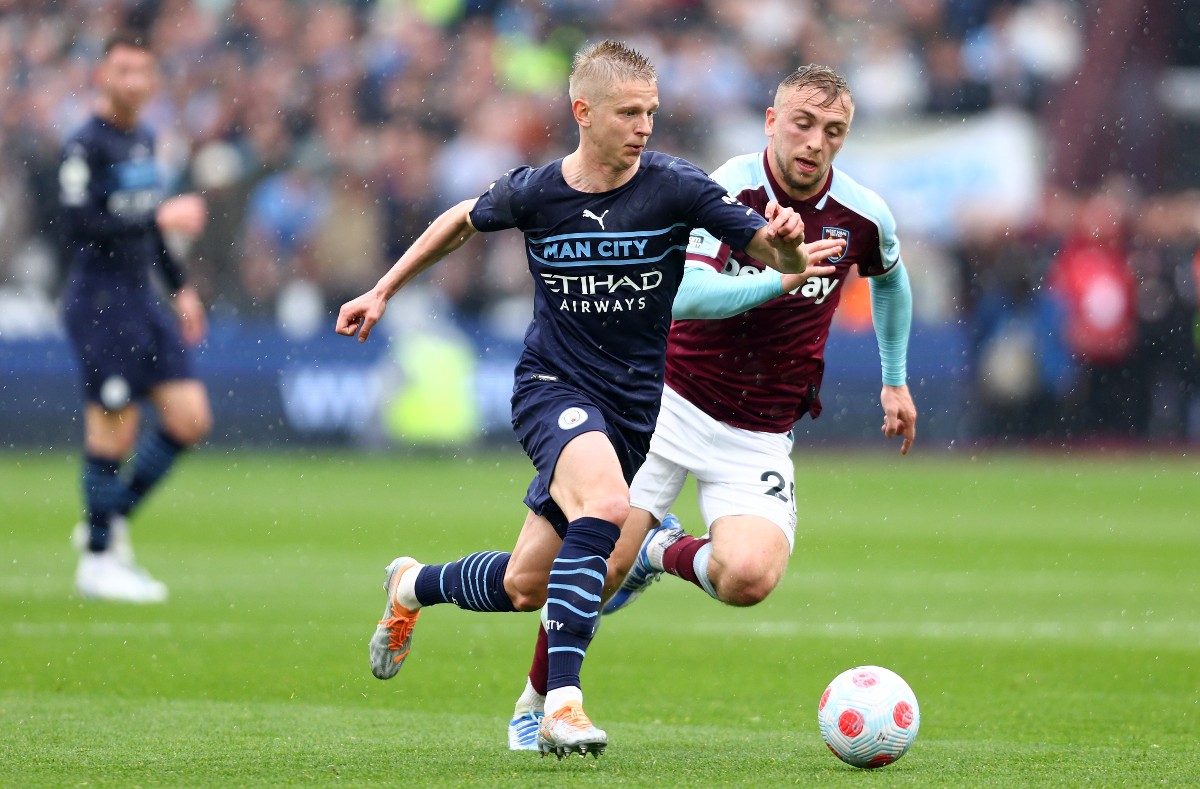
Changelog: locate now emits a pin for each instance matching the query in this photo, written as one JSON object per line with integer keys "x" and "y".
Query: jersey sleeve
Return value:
{"x": 891, "y": 315}
{"x": 889, "y": 244}
{"x": 707, "y": 293}
{"x": 83, "y": 202}
{"x": 715, "y": 210}
{"x": 496, "y": 209}
{"x": 704, "y": 247}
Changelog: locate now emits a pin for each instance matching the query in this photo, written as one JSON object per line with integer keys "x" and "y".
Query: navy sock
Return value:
{"x": 102, "y": 493}
{"x": 154, "y": 456}
{"x": 576, "y": 581}
{"x": 474, "y": 582}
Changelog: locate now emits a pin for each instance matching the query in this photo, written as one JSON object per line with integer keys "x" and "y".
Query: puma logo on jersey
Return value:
{"x": 587, "y": 214}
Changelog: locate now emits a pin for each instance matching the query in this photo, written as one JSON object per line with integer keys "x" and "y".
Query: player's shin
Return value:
{"x": 573, "y": 598}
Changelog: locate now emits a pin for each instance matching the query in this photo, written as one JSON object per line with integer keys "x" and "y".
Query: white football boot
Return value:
{"x": 103, "y": 576}
{"x": 569, "y": 730}
{"x": 390, "y": 644}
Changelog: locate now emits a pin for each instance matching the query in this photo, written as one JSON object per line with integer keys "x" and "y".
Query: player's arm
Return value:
{"x": 780, "y": 244}
{"x": 891, "y": 315}
{"x": 193, "y": 321}
{"x": 447, "y": 233}
{"x": 705, "y": 292}
{"x": 183, "y": 215}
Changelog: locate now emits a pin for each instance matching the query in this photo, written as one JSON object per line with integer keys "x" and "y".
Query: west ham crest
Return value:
{"x": 837, "y": 232}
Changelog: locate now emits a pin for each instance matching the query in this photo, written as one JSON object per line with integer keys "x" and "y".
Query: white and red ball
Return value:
{"x": 868, "y": 716}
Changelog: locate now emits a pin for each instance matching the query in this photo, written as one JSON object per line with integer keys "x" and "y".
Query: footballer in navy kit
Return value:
{"x": 605, "y": 230}
{"x": 606, "y": 268}
{"x": 130, "y": 345}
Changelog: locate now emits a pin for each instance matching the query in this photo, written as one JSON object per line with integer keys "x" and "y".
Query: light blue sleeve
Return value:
{"x": 891, "y": 313}
{"x": 705, "y": 292}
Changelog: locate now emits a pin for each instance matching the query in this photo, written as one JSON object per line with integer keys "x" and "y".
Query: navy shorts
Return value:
{"x": 546, "y": 415}
{"x": 126, "y": 340}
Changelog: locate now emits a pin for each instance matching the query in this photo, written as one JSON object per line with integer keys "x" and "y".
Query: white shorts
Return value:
{"x": 738, "y": 472}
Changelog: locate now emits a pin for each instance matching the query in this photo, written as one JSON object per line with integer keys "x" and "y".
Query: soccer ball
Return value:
{"x": 868, "y": 716}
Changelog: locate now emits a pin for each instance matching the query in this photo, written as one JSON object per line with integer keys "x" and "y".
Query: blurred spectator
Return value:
{"x": 326, "y": 133}
{"x": 1021, "y": 369}
{"x": 1166, "y": 261}
{"x": 1092, "y": 277}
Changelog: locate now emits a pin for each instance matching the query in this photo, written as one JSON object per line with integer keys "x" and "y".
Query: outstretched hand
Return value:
{"x": 785, "y": 234}
{"x": 358, "y": 316}
{"x": 899, "y": 415}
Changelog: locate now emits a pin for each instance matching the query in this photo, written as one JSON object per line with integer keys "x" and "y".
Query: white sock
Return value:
{"x": 406, "y": 588}
{"x": 560, "y": 697}
{"x": 655, "y": 551}
{"x": 530, "y": 701}
{"x": 663, "y": 539}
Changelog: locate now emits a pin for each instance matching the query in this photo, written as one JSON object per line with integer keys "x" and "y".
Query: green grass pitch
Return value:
{"x": 1044, "y": 608}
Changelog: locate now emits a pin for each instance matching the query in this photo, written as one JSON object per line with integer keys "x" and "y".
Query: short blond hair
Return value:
{"x": 600, "y": 66}
{"x": 822, "y": 79}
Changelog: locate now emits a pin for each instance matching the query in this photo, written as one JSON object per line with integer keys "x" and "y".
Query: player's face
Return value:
{"x": 804, "y": 139}
{"x": 623, "y": 121}
{"x": 126, "y": 78}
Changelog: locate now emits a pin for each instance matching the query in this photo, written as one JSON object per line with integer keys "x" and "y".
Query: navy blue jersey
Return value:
{"x": 110, "y": 189}
{"x": 606, "y": 267}
{"x": 127, "y": 341}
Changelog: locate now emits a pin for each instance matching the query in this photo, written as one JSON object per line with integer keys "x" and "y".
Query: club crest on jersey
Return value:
{"x": 837, "y": 233}
{"x": 572, "y": 417}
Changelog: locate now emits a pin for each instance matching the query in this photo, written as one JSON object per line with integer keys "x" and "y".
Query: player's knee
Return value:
{"x": 613, "y": 508}
{"x": 191, "y": 429}
{"x": 747, "y": 585}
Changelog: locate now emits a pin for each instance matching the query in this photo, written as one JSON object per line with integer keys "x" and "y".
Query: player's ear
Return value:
{"x": 582, "y": 111}
{"x": 769, "y": 124}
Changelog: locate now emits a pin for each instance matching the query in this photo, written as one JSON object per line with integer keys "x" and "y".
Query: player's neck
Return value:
{"x": 121, "y": 117}
{"x": 586, "y": 174}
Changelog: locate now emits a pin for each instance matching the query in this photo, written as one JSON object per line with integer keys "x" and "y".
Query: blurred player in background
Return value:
{"x": 605, "y": 233}
{"x": 736, "y": 386}
{"x": 130, "y": 346}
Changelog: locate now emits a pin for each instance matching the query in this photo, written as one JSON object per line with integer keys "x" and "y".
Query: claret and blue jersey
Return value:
{"x": 606, "y": 267}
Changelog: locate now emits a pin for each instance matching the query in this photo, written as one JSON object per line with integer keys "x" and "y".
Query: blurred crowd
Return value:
{"x": 325, "y": 136}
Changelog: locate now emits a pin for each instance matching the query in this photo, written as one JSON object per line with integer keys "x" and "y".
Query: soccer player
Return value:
{"x": 605, "y": 231}
{"x": 736, "y": 386}
{"x": 129, "y": 345}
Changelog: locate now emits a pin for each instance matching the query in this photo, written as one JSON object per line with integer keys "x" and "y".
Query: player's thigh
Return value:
{"x": 749, "y": 474}
{"x": 110, "y": 433}
{"x": 658, "y": 483}
{"x": 749, "y": 551}
{"x": 588, "y": 480}
{"x": 528, "y": 570}
{"x": 183, "y": 409}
